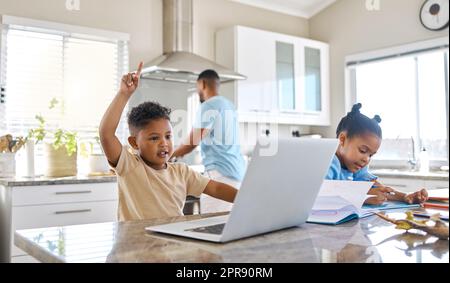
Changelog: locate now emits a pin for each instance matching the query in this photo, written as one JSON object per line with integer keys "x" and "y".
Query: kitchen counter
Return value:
{"x": 43, "y": 181}
{"x": 366, "y": 240}
{"x": 394, "y": 173}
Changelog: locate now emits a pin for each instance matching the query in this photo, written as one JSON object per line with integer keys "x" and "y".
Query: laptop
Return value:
{"x": 278, "y": 192}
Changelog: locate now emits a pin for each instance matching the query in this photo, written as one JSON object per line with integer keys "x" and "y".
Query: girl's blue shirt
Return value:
{"x": 337, "y": 172}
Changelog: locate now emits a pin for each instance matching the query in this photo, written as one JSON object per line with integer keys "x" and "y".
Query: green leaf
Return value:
{"x": 40, "y": 119}
{"x": 59, "y": 136}
{"x": 71, "y": 142}
{"x": 53, "y": 103}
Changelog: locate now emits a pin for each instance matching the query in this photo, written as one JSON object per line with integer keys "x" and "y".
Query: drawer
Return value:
{"x": 38, "y": 195}
{"x": 436, "y": 185}
{"x": 24, "y": 259}
{"x": 403, "y": 185}
{"x": 31, "y": 217}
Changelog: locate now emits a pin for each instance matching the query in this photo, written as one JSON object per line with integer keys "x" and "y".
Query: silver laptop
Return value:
{"x": 278, "y": 192}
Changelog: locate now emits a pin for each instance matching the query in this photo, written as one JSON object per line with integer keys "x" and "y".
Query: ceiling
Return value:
{"x": 300, "y": 8}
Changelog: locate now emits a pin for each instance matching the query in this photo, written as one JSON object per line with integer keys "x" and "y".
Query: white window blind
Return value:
{"x": 410, "y": 91}
{"x": 81, "y": 71}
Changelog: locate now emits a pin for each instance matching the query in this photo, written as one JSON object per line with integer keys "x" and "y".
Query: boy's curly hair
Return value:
{"x": 141, "y": 115}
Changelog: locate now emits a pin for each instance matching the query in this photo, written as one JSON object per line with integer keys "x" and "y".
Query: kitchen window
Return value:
{"x": 79, "y": 67}
{"x": 408, "y": 87}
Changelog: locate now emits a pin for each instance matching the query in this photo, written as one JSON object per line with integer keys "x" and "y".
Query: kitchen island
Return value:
{"x": 368, "y": 240}
{"x": 49, "y": 202}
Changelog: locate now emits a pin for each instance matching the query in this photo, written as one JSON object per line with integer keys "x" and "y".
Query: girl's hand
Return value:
{"x": 380, "y": 189}
{"x": 379, "y": 193}
{"x": 417, "y": 197}
{"x": 376, "y": 200}
{"x": 130, "y": 81}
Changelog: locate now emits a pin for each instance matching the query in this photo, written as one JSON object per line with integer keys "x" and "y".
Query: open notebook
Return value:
{"x": 342, "y": 201}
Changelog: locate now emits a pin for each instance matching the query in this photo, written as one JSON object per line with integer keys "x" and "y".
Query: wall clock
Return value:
{"x": 434, "y": 14}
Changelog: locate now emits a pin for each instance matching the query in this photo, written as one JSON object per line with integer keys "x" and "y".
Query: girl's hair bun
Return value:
{"x": 377, "y": 118}
{"x": 356, "y": 108}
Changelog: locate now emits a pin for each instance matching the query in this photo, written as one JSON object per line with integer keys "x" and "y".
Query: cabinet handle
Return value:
{"x": 395, "y": 185}
{"x": 73, "y": 211}
{"x": 73, "y": 193}
{"x": 440, "y": 188}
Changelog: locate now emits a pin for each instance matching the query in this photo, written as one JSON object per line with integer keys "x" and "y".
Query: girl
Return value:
{"x": 359, "y": 139}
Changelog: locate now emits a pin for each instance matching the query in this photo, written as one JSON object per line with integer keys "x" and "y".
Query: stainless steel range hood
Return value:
{"x": 178, "y": 63}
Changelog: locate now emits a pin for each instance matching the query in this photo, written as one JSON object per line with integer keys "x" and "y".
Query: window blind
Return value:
{"x": 81, "y": 72}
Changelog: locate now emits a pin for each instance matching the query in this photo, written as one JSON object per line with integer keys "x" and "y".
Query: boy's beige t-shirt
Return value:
{"x": 146, "y": 193}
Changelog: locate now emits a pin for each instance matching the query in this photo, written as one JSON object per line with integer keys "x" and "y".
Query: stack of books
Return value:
{"x": 438, "y": 199}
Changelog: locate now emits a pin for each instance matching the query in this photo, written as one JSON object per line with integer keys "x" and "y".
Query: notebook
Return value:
{"x": 437, "y": 199}
{"x": 430, "y": 212}
{"x": 438, "y": 195}
{"x": 342, "y": 201}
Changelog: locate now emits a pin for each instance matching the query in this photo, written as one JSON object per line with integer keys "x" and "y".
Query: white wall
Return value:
{"x": 142, "y": 19}
{"x": 212, "y": 15}
{"x": 350, "y": 28}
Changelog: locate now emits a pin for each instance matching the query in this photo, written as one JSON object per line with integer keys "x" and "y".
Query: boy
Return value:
{"x": 149, "y": 186}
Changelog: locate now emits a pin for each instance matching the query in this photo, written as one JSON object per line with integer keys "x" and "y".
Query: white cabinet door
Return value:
{"x": 436, "y": 185}
{"x": 412, "y": 185}
{"x": 62, "y": 205}
{"x": 256, "y": 58}
{"x": 24, "y": 259}
{"x": 403, "y": 185}
{"x": 283, "y": 86}
{"x": 29, "y": 217}
{"x": 314, "y": 83}
{"x": 54, "y": 215}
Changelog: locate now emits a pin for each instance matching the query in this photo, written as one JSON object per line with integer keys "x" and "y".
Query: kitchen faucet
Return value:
{"x": 413, "y": 161}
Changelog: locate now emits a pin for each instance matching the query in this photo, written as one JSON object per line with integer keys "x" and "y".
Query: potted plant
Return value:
{"x": 61, "y": 154}
{"x": 8, "y": 148}
{"x": 98, "y": 163}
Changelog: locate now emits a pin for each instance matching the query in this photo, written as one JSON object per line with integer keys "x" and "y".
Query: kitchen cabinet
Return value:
{"x": 287, "y": 76}
{"x": 2, "y": 83}
{"x": 254, "y": 56}
{"x": 436, "y": 185}
{"x": 413, "y": 184}
{"x": 403, "y": 185}
{"x": 61, "y": 205}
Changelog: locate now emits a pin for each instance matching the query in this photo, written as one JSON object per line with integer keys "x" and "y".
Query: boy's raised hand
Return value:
{"x": 130, "y": 81}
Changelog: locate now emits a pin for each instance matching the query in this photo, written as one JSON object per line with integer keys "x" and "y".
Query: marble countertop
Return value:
{"x": 395, "y": 173}
{"x": 366, "y": 240}
{"x": 43, "y": 181}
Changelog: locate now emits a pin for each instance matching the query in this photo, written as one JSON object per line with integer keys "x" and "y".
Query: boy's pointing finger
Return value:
{"x": 139, "y": 70}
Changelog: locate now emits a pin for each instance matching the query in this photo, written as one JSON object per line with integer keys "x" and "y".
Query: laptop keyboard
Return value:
{"x": 213, "y": 229}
